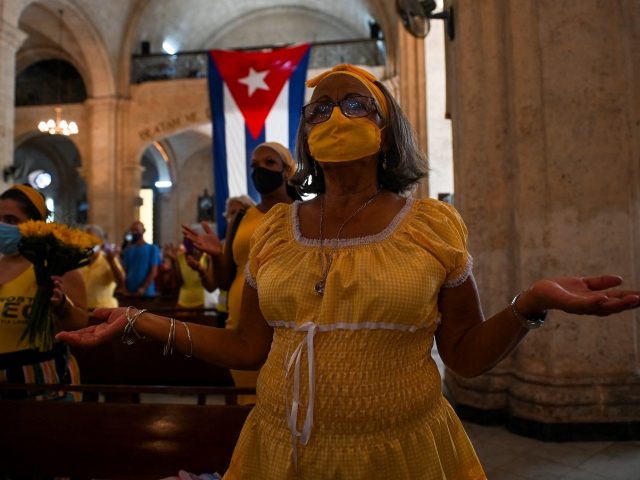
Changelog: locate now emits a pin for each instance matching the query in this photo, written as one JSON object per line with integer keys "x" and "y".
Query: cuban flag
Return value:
{"x": 255, "y": 97}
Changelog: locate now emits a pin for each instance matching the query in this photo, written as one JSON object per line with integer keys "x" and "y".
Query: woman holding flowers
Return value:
{"x": 27, "y": 358}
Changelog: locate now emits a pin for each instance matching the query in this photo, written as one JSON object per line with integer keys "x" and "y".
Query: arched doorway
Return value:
{"x": 50, "y": 163}
{"x": 176, "y": 171}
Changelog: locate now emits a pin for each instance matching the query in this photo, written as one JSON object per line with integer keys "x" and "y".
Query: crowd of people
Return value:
{"x": 336, "y": 300}
{"x": 133, "y": 270}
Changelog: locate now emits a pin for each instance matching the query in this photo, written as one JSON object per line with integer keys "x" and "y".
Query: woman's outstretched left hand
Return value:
{"x": 114, "y": 322}
{"x": 582, "y": 295}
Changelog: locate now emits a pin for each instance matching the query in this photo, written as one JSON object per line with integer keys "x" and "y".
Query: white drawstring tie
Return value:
{"x": 294, "y": 362}
{"x": 311, "y": 329}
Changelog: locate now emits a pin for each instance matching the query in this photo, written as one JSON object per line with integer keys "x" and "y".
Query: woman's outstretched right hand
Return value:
{"x": 207, "y": 242}
{"x": 112, "y": 326}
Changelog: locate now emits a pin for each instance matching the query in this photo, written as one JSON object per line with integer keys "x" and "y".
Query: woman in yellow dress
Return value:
{"x": 104, "y": 273}
{"x": 189, "y": 265}
{"x": 343, "y": 299}
{"x": 271, "y": 167}
{"x": 232, "y": 206}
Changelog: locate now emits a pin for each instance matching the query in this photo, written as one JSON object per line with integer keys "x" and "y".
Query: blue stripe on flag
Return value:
{"x": 216, "y": 88}
{"x": 296, "y": 98}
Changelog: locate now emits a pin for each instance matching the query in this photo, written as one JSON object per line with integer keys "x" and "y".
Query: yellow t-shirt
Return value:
{"x": 16, "y": 297}
{"x": 191, "y": 293}
{"x": 100, "y": 283}
{"x": 240, "y": 248}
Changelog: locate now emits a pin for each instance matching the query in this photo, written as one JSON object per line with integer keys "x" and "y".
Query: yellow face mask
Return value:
{"x": 342, "y": 139}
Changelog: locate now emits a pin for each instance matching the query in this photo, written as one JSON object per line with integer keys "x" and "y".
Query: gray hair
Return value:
{"x": 245, "y": 200}
{"x": 405, "y": 162}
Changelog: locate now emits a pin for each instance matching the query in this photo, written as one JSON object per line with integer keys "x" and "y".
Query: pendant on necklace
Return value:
{"x": 319, "y": 288}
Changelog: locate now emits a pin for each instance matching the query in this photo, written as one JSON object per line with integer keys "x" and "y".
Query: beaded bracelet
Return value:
{"x": 186, "y": 327}
{"x": 130, "y": 335}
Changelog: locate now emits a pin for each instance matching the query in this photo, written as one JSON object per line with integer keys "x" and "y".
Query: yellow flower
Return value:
{"x": 74, "y": 238}
{"x": 71, "y": 237}
{"x": 35, "y": 228}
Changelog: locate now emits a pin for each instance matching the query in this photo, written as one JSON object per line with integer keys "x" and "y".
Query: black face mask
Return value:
{"x": 265, "y": 180}
{"x": 135, "y": 237}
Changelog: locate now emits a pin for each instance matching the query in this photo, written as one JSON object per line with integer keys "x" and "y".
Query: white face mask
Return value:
{"x": 9, "y": 238}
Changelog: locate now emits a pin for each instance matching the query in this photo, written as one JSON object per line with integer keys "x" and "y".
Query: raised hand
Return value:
{"x": 171, "y": 251}
{"x": 111, "y": 251}
{"x": 194, "y": 263}
{"x": 584, "y": 295}
{"x": 58, "y": 298}
{"x": 114, "y": 321}
{"x": 206, "y": 242}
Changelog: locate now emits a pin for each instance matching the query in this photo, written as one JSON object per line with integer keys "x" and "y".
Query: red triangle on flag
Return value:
{"x": 255, "y": 79}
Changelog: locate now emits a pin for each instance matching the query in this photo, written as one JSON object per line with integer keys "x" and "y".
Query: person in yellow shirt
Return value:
{"x": 19, "y": 362}
{"x": 233, "y": 205}
{"x": 104, "y": 274}
{"x": 271, "y": 167}
{"x": 187, "y": 263}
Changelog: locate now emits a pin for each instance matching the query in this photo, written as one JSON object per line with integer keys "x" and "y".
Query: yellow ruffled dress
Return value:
{"x": 349, "y": 389}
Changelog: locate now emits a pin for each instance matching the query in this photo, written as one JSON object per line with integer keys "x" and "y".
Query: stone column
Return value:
{"x": 413, "y": 89}
{"x": 11, "y": 37}
{"x": 99, "y": 169}
{"x": 128, "y": 168}
{"x": 546, "y": 134}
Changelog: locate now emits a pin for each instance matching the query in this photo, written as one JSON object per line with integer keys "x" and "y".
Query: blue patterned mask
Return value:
{"x": 9, "y": 238}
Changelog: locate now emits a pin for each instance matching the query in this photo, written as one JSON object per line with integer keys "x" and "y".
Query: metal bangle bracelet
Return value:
{"x": 528, "y": 323}
{"x": 130, "y": 335}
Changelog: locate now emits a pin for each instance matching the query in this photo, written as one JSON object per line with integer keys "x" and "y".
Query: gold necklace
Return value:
{"x": 326, "y": 261}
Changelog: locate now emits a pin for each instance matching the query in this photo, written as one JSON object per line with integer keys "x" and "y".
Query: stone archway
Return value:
{"x": 58, "y": 157}
{"x": 185, "y": 159}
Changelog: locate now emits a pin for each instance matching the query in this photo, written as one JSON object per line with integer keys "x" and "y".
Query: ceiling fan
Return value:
{"x": 416, "y": 14}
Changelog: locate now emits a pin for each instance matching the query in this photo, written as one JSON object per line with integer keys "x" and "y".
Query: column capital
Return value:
{"x": 102, "y": 103}
{"x": 11, "y": 36}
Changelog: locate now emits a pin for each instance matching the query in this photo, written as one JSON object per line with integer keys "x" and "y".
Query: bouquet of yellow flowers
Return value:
{"x": 53, "y": 249}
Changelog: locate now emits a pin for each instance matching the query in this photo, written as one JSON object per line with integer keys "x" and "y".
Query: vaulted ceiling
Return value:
{"x": 106, "y": 33}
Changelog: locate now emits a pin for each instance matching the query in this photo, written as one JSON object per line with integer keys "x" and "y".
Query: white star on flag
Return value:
{"x": 255, "y": 80}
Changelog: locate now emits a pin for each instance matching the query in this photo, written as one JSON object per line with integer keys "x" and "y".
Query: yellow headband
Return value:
{"x": 368, "y": 79}
{"x": 284, "y": 153}
{"x": 34, "y": 197}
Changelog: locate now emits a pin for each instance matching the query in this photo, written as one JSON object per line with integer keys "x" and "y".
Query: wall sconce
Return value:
{"x": 416, "y": 14}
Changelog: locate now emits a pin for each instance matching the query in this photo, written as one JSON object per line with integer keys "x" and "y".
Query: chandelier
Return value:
{"x": 58, "y": 126}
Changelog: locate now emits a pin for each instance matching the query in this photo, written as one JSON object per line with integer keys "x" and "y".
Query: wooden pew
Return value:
{"x": 143, "y": 363}
{"x": 115, "y": 440}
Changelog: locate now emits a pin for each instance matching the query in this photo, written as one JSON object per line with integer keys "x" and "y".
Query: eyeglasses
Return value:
{"x": 354, "y": 106}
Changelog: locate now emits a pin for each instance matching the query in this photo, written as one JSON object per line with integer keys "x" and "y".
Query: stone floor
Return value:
{"x": 506, "y": 456}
